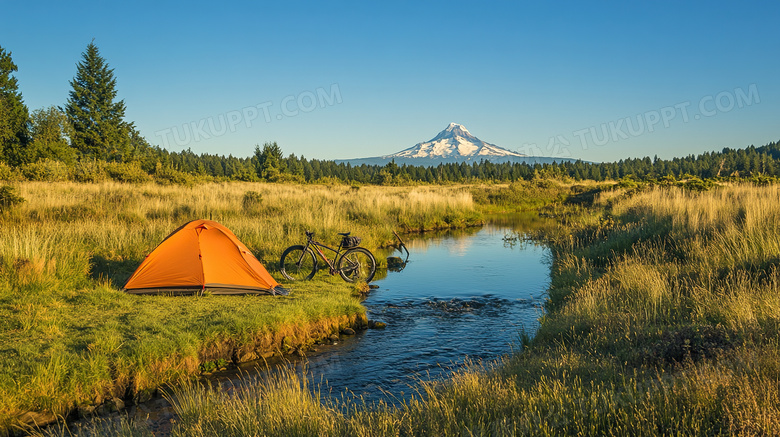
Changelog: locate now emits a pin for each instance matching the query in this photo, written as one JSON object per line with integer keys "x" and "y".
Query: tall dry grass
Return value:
{"x": 677, "y": 292}
{"x": 662, "y": 320}
{"x": 69, "y": 337}
{"x": 120, "y": 217}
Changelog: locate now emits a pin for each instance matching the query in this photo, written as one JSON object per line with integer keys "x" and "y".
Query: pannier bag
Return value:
{"x": 350, "y": 242}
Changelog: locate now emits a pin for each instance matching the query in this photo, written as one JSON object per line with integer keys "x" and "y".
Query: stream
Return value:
{"x": 463, "y": 295}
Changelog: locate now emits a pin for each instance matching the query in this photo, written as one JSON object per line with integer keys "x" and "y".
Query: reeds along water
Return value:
{"x": 676, "y": 293}
{"x": 678, "y": 252}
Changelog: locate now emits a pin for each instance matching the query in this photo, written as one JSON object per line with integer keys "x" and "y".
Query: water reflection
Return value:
{"x": 526, "y": 223}
{"x": 463, "y": 295}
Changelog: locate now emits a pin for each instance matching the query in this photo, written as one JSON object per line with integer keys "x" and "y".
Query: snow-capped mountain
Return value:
{"x": 455, "y": 142}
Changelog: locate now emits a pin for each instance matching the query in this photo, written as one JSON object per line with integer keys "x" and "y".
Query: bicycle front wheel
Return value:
{"x": 298, "y": 264}
{"x": 357, "y": 265}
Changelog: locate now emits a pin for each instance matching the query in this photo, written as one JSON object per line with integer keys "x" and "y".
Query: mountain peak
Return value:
{"x": 456, "y": 126}
{"x": 452, "y": 131}
{"x": 455, "y": 142}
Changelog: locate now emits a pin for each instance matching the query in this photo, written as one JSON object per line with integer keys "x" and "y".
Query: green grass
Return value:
{"x": 663, "y": 320}
{"x": 520, "y": 196}
{"x": 94, "y": 344}
{"x": 69, "y": 336}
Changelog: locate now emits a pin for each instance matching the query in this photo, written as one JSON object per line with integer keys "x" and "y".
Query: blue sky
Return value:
{"x": 338, "y": 79}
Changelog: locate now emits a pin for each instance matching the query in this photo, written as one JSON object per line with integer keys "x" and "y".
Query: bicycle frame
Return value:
{"x": 317, "y": 245}
{"x": 351, "y": 263}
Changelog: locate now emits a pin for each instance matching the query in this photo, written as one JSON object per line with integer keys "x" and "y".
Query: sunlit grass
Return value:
{"x": 663, "y": 320}
{"x": 70, "y": 337}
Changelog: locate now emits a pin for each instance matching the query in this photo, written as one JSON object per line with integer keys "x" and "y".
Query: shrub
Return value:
{"x": 480, "y": 196}
{"x": 9, "y": 198}
{"x": 167, "y": 175}
{"x": 46, "y": 170}
{"x": 89, "y": 171}
{"x": 329, "y": 180}
{"x": 696, "y": 184}
{"x": 130, "y": 172}
{"x": 8, "y": 173}
{"x": 251, "y": 201}
{"x": 627, "y": 182}
{"x": 544, "y": 183}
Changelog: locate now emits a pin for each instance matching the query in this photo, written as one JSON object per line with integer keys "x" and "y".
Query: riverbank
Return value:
{"x": 663, "y": 315}
{"x": 71, "y": 340}
{"x": 662, "y": 319}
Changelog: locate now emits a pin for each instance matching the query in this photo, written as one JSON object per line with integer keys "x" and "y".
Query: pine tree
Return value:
{"x": 270, "y": 162}
{"x": 294, "y": 166}
{"x": 99, "y": 129}
{"x": 14, "y": 117}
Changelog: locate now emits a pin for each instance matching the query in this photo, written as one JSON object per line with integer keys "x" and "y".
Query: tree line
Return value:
{"x": 89, "y": 140}
{"x": 749, "y": 162}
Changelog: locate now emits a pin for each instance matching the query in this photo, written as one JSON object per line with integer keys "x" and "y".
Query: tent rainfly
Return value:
{"x": 202, "y": 255}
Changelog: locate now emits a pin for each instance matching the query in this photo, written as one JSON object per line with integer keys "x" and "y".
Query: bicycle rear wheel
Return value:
{"x": 298, "y": 264}
{"x": 357, "y": 265}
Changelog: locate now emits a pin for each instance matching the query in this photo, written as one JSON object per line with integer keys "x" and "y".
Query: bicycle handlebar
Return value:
{"x": 310, "y": 234}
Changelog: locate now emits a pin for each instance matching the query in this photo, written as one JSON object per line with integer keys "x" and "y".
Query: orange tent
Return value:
{"x": 201, "y": 255}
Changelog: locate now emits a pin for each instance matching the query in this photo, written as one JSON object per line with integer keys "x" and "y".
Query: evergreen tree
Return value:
{"x": 308, "y": 172}
{"x": 270, "y": 162}
{"x": 99, "y": 129}
{"x": 14, "y": 117}
{"x": 294, "y": 166}
{"x": 140, "y": 149}
{"x": 49, "y": 129}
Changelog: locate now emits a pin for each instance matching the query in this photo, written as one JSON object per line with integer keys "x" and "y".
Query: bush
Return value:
{"x": 543, "y": 183}
{"x": 698, "y": 185}
{"x": 130, "y": 172}
{"x": 763, "y": 180}
{"x": 9, "y": 198}
{"x": 89, "y": 171}
{"x": 8, "y": 173}
{"x": 480, "y": 196}
{"x": 628, "y": 183}
{"x": 46, "y": 170}
{"x": 251, "y": 201}
{"x": 167, "y": 175}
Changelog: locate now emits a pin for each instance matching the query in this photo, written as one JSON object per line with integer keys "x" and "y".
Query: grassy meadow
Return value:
{"x": 70, "y": 338}
{"x": 662, "y": 319}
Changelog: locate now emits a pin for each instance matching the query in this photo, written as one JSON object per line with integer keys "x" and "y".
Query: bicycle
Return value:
{"x": 356, "y": 264}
